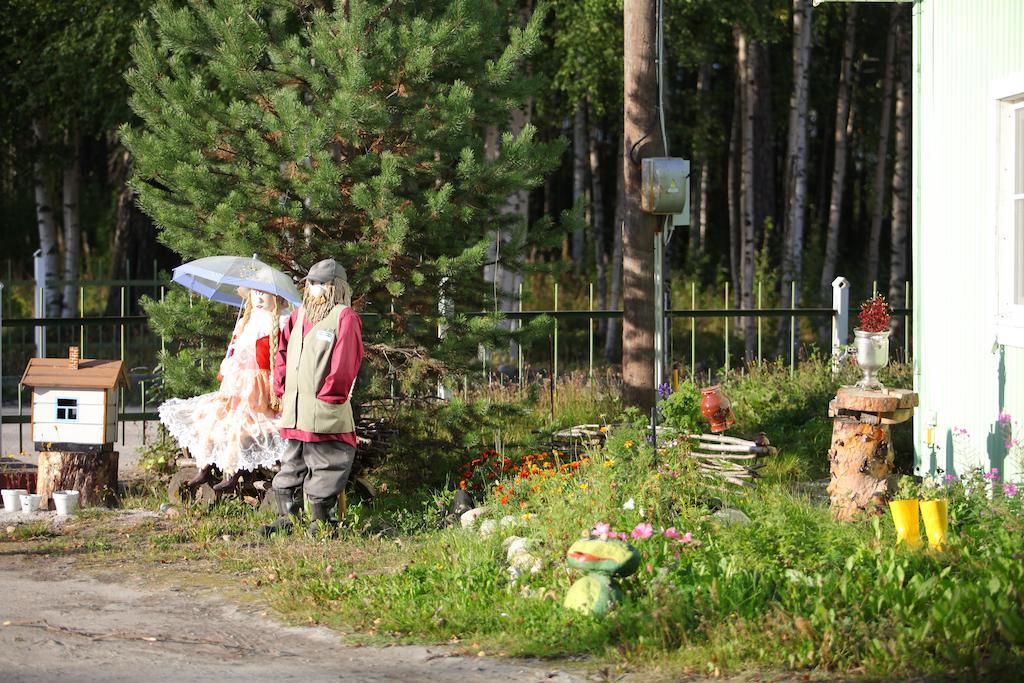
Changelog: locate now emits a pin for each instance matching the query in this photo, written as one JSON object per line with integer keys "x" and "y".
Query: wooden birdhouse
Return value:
{"x": 74, "y": 402}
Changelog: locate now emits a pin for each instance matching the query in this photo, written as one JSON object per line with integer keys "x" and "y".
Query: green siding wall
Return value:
{"x": 961, "y": 47}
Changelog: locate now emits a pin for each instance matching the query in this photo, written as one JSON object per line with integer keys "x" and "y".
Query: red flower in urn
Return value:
{"x": 717, "y": 408}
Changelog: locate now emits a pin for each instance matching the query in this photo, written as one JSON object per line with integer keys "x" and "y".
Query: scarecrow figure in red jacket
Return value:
{"x": 318, "y": 358}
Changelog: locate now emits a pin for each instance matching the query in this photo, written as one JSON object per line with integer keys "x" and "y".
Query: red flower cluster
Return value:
{"x": 527, "y": 474}
{"x": 875, "y": 314}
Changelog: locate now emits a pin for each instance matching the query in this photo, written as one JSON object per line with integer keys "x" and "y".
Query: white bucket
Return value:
{"x": 66, "y": 502}
{"x": 30, "y": 502}
{"x": 11, "y": 501}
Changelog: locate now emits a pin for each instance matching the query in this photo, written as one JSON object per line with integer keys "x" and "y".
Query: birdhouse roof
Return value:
{"x": 91, "y": 374}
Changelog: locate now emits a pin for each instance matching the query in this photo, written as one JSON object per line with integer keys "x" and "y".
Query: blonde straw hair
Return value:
{"x": 276, "y": 303}
{"x": 335, "y": 292}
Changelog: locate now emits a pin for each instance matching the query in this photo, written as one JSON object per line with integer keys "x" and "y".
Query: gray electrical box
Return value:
{"x": 665, "y": 185}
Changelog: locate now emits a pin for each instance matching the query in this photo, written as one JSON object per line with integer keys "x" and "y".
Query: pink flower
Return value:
{"x": 687, "y": 538}
{"x": 601, "y": 529}
{"x": 949, "y": 478}
{"x": 1011, "y": 443}
{"x": 621, "y": 535}
{"x": 1004, "y": 418}
{"x": 642, "y": 530}
{"x": 1009, "y": 490}
{"x": 671, "y": 533}
{"x": 992, "y": 474}
{"x": 959, "y": 431}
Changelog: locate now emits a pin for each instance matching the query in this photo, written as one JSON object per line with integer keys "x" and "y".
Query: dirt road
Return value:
{"x": 60, "y": 624}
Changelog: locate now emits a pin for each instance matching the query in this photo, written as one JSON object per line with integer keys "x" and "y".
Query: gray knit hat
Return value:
{"x": 326, "y": 271}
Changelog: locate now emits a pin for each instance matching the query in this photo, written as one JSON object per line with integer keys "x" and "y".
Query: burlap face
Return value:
{"x": 334, "y": 293}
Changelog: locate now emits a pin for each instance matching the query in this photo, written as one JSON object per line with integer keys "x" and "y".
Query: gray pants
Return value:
{"x": 321, "y": 468}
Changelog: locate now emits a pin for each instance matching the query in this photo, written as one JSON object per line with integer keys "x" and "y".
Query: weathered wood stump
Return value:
{"x": 93, "y": 475}
{"x": 861, "y": 455}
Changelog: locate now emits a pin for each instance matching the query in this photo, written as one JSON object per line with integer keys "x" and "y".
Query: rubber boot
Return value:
{"x": 320, "y": 516}
{"x": 904, "y": 516}
{"x": 288, "y": 503}
{"x": 936, "y": 521}
{"x": 229, "y": 481}
{"x": 200, "y": 478}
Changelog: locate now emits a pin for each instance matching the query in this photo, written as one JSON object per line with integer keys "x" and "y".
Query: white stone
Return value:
{"x": 469, "y": 517}
{"x": 731, "y": 516}
{"x": 509, "y": 520}
{"x": 488, "y": 527}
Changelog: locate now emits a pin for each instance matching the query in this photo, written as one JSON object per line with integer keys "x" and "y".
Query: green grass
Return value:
{"x": 792, "y": 591}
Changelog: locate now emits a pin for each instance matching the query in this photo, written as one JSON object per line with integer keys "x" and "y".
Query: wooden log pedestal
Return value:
{"x": 93, "y": 475}
{"x": 861, "y": 455}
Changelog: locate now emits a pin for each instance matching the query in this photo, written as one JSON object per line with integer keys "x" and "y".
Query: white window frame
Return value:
{"x": 69, "y": 409}
{"x": 1009, "y": 100}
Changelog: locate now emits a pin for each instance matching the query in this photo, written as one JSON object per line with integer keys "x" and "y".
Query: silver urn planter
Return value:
{"x": 872, "y": 356}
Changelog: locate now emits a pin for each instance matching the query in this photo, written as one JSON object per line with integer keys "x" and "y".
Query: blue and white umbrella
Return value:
{"x": 218, "y": 277}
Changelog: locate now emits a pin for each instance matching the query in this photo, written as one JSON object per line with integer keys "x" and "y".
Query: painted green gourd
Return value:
{"x": 603, "y": 560}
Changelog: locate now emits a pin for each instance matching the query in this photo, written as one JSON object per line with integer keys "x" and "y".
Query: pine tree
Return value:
{"x": 308, "y": 129}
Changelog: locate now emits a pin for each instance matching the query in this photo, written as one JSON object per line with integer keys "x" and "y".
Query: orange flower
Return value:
{"x": 522, "y": 505}
{"x": 462, "y": 484}
{"x": 504, "y": 500}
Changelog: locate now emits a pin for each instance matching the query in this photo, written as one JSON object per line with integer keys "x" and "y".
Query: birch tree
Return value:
{"x": 746, "y": 70}
{"x": 72, "y": 187}
{"x": 900, "y": 182}
{"x": 882, "y": 155}
{"x": 45, "y": 221}
{"x": 843, "y": 130}
{"x": 580, "y": 151}
{"x": 796, "y": 154}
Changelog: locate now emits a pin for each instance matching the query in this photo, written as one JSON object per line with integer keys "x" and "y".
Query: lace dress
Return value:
{"x": 233, "y": 427}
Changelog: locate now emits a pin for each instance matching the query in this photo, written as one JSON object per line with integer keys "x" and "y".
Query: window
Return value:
{"x": 1010, "y": 221}
{"x": 67, "y": 409}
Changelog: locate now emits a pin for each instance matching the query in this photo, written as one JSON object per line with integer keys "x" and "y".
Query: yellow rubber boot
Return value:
{"x": 936, "y": 521}
{"x": 904, "y": 516}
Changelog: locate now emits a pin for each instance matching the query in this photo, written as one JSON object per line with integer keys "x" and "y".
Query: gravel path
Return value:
{"x": 60, "y": 624}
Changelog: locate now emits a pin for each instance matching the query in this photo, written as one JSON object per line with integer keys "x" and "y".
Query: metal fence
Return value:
{"x": 572, "y": 344}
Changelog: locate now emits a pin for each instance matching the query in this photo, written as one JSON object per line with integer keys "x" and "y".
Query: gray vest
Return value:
{"x": 308, "y": 361}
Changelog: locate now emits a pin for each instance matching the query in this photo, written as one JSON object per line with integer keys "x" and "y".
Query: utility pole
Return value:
{"x": 641, "y": 138}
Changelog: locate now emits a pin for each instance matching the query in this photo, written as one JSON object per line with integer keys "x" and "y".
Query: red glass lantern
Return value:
{"x": 717, "y": 408}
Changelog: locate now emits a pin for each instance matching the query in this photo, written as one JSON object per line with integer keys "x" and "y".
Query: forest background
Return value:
{"x": 796, "y": 122}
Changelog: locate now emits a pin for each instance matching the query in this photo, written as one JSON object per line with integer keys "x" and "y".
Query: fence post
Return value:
{"x": 40, "y": 301}
{"x": 840, "y": 320}
{"x": 906, "y": 321}
{"x": 727, "y": 329}
{"x": 792, "y": 329}
{"x": 590, "y": 374}
{"x": 519, "y": 346}
{"x": 554, "y": 352}
{"x": 2, "y": 370}
{"x": 759, "y": 322}
{"x": 81, "y": 313}
{"x": 693, "y": 332}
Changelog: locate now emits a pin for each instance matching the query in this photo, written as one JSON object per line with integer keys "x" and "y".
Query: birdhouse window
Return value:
{"x": 67, "y": 409}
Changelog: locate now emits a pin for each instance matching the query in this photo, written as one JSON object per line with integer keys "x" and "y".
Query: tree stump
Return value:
{"x": 860, "y": 465}
{"x": 861, "y": 455}
{"x": 93, "y": 475}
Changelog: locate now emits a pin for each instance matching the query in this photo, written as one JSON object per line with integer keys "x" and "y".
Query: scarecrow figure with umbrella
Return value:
{"x": 317, "y": 361}
{"x": 235, "y": 428}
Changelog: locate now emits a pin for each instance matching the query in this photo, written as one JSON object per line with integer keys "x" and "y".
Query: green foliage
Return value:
{"x": 299, "y": 132}
{"x": 907, "y": 488}
{"x": 159, "y": 458}
{"x": 681, "y": 409}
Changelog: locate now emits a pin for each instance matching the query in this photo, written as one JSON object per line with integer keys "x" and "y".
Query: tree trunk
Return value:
{"x": 598, "y": 227}
{"x": 879, "y": 194}
{"x": 796, "y": 154}
{"x": 72, "y": 224}
{"x": 613, "y": 342}
{"x": 765, "y": 209}
{"x": 900, "y": 186}
{"x": 843, "y": 130}
{"x": 733, "y": 176}
{"x": 745, "y": 58}
{"x": 579, "y": 180}
{"x": 45, "y": 219}
{"x": 93, "y": 475}
{"x": 860, "y": 465}
{"x": 134, "y": 233}
{"x": 698, "y": 204}
{"x": 639, "y": 123}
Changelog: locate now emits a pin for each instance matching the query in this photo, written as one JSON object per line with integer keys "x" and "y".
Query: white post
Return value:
{"x": 659, "y": 309}
{"x": 40, "y": 301}
{"x": 841, "y": 320}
